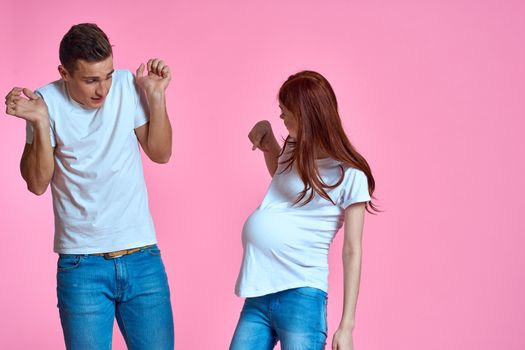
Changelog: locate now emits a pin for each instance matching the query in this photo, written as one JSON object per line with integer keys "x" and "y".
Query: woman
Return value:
{"x": 319, "y": 181}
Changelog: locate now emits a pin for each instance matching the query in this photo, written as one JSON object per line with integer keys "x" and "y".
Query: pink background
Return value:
{"x": 431, "y": 92}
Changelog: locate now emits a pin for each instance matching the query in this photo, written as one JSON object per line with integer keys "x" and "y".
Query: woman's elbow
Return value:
{"x": 351, "y": 250}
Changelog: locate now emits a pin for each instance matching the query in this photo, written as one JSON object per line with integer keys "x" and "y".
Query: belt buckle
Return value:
{"x": 108, "y": 256}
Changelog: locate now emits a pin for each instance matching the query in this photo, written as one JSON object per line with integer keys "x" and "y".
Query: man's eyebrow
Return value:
{"x": 96, "y": 78}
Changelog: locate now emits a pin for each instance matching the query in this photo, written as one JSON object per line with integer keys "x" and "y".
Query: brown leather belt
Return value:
{"x": 119, "y": 253}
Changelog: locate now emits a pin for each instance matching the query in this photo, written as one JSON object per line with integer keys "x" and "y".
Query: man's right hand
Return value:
{"x": 262, "y": 136}
{"x": 31, "y": 107}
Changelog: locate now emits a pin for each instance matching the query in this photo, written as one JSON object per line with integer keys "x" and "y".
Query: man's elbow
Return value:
{"x": 37, "y": 187}
{"x": 37, "y": 190}
{"x": 161, "y": 159}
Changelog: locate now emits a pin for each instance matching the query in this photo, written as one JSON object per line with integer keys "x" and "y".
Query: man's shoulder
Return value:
{"x": 54, "y": 89}
{"x": 123, "y": 74}
{"x": 123, "y": 81}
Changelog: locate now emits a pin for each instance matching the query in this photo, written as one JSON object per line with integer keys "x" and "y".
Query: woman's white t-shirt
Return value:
{"x": 286, "y": 246}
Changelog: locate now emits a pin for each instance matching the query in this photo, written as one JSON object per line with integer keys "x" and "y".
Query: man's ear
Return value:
{"x": 64, "y": 73}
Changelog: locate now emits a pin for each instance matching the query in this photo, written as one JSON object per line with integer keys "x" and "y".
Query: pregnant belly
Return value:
{"x": 273, "y": 230}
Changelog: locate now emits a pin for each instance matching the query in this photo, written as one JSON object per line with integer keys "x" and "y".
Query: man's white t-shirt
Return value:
{"x": 99, "y": 194}
{"x": 286, "y": 246}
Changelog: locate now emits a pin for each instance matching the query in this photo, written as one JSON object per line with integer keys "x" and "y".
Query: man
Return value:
{"x": 82, "y": 134}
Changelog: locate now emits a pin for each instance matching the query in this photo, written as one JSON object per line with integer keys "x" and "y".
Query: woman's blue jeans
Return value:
{"x": 93, "y": 290}
{"x": 295, "y": 317}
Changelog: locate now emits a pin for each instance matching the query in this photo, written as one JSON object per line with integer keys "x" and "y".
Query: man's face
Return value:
{"x": 89, "y": 84}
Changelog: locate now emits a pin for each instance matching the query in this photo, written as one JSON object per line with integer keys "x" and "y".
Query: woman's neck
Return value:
{"x": 320, "y": 154}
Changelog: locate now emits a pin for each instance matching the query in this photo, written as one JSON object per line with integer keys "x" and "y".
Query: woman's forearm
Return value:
{"x": 352, "y": 276}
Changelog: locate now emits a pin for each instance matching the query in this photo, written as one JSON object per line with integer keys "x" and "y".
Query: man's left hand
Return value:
{"x": 157, "y": 79}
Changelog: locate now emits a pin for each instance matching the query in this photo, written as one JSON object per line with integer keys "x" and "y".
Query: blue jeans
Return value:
{"x": 92, "y": 291}
{"x": 295, "y": 317}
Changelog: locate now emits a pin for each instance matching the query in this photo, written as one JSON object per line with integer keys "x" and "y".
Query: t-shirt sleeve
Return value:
{"x": 355, "y": 188}
{"x": 140, "y": 117}
{"x": 29, "y": 129}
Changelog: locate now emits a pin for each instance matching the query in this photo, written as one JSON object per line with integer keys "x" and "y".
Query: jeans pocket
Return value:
{"x": 155, "y": 251}
{"x": 313, "y": 293}
{"x": 68, "y": 262}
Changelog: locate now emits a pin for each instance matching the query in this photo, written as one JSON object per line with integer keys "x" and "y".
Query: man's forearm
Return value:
{"x": 159, "y": 132}
{"x": 37, "y": 163}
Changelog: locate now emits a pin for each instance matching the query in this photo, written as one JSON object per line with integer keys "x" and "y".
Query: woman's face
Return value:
{"x": 290, "y": 121}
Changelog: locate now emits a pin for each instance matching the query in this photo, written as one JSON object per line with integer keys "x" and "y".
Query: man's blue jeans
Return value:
{"x": 295, "y": 317}
{"x": 93, "y": 290}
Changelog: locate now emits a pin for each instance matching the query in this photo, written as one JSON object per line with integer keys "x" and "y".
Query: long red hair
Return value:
{"x": 311, "y": 99}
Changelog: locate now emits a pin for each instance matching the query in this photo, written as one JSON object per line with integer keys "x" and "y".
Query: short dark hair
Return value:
{"x": 85, "y": 41}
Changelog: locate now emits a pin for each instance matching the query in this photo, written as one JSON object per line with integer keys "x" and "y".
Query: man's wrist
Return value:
{"x": 42, "y": 123}
{"x": 156, "y": 96}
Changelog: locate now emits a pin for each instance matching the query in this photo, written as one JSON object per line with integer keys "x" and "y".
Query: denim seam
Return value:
{"x": 156, "y": 253}
{"x": 78, "y": 261}
{"x": 124, "y": 329}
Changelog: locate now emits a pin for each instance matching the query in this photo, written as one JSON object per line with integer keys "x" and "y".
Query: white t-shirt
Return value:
{"x": 100, "y": 199}
{"x": 287, "y": 246}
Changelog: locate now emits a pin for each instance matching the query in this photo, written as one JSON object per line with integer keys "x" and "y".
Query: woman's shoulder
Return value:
{"x": 355, "y": 180}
